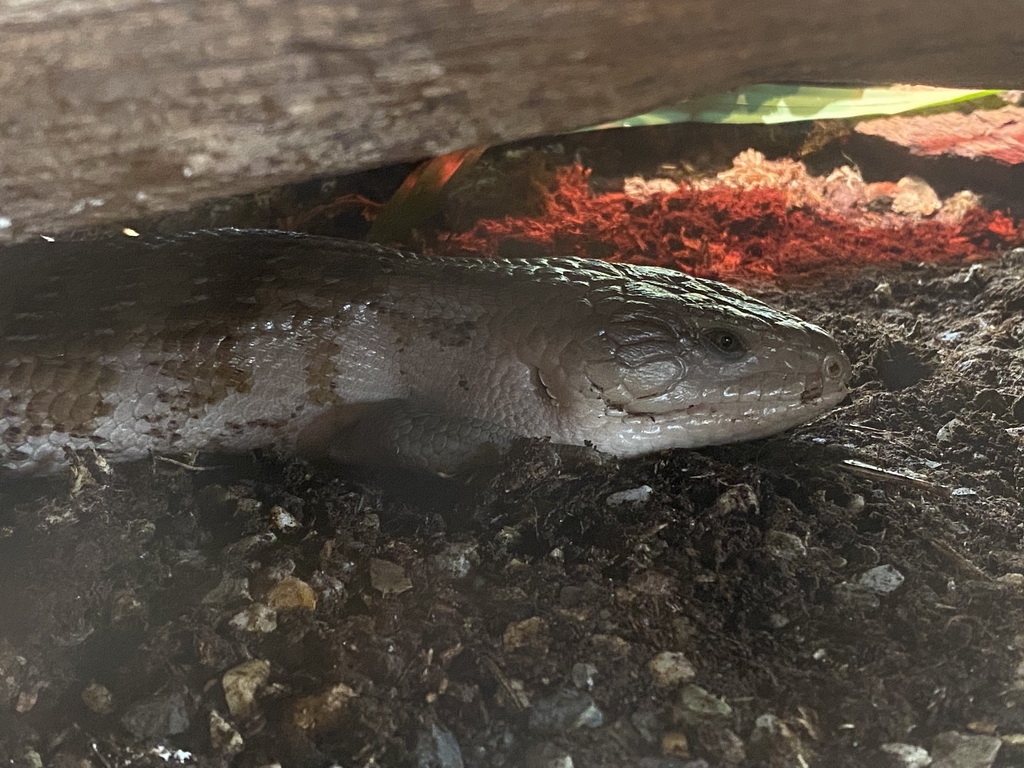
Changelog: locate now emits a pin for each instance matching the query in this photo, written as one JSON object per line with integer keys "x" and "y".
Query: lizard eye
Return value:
{"x": 726, "y": 342}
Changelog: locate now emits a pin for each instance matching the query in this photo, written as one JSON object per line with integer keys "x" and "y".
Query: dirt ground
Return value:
{"x": 847, "y": 594}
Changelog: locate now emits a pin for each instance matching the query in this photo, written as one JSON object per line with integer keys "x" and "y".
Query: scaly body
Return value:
{"x": 233, "y": 340}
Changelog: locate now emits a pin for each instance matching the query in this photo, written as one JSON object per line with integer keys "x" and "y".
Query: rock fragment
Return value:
{"x": 388, "y": 578}
{"x": 670, "y": 668}
{"x": 158, "y": 718}
{"x": 242, "y": 683}
{"x": 565, "y": 711}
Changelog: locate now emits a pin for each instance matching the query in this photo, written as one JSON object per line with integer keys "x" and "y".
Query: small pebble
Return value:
{"x": 882, "y": 294}
{"x": 1013, "y": 579}
{"x": 223, "y": 736}
{"x": 98, "y": 699}
{"x": 255, "y": 618}
{"x": 947, "y": 432}
{"x": 738, "y": 500}
{"x": 697, "y": 705}
{"x": 565, "y": 711}
{"x": 284, "y": 520}
{"x": 987, "y": 727}
{"x": 1013, "y": 743}
{"x": 881, "y": 579}
{"x": 784, "y": 546}
{"x": 158, "y": 718}
{"x": 632, "y": 496}
{"x": 957, "y": 750}
{"x": 675, "y": 744}
{"x": 241, "y": 684}
{"x": 290, "y": 593}
{"x": 670, "y": 668}
{"x": 908, "y": 755}
{"x": 438, "y": 748}
{"x": 388, "y": 578}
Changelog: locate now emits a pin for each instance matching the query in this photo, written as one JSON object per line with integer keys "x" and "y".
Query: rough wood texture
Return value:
{"x": 995, "y": 135}
{"x": 116, "y": 108}
{"x": 982, "y": 151}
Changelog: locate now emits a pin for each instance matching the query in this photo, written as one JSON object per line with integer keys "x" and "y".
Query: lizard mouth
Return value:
{"x": 835, "y": 370}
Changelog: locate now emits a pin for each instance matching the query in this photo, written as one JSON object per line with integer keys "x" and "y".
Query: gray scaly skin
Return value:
{"x": 232, "y": 340}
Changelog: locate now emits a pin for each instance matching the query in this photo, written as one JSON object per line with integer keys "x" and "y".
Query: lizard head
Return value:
{"x": 676, "y": 361}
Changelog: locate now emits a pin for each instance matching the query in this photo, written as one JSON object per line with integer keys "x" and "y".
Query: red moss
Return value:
{"x": 725, "y": 231}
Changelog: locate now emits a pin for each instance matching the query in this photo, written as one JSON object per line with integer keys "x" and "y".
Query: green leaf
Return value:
{"x": 772, "y": 103}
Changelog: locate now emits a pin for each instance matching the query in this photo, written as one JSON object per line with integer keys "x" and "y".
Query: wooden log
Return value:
{"x": 112, "y": 109}
{"x": 982, "y": 151}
